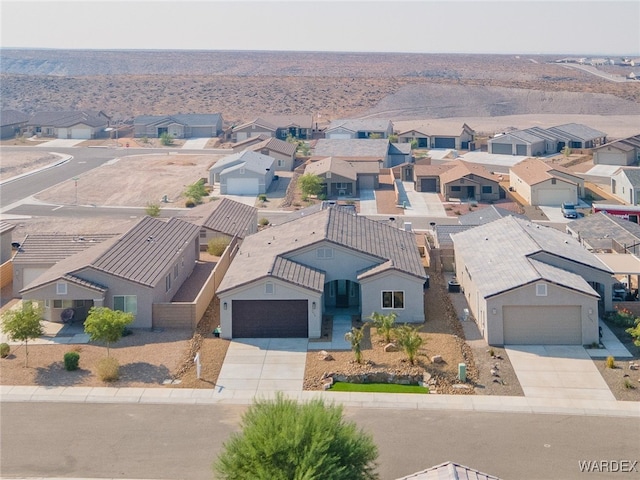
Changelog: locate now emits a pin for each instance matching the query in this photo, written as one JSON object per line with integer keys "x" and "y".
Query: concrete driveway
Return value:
{"x": 564, "y": 372}
{"x": 195, "y": 143}
{"x": 256, "y": 366}
{"x": 60, "y": 142}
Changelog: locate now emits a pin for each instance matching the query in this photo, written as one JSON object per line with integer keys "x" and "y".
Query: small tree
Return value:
{"x": 106, "y": 325}
{"x": 566, "y": 151}
{"x": 217, "y": 245}
{"x": 375, "y": 136}
{"x": 196, "y": 191}
{"x": 310, "y": 184}
{"x": 152, "y": 209}
{"x": 385, "y": 324}
{"x": 166, "y": 139}
{"x": 284, "y": 440}
{"x": 414, "y": 144}
{"x": 355, "y": 336}
{"x": 304, "y": 148}
{"x": 23, "y": 324}
{"x": 410, "y": 341}
{"x": 635, "y": 332}
{"x": 393, "y": 138}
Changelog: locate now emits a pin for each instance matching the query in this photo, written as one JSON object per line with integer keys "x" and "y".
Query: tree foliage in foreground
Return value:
{"x": 285, "y": 440}
{"x": 23, "y": 324}
{"x": 106, "y": 325}
{"x": 310, "y": 184}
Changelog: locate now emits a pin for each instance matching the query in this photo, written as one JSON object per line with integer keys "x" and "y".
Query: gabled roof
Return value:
{"x": 487, "y": 215}
{"x": 230, "y": 217}
{"x": 601, "y": 225}
{"x": 399, "y": 149}
{"x": 247, "y": 142}
{"x": 361, "y": 125}
{"x": 352, "y": 147}
{"x": 534, "y": 171}
{"x": 577, "y": 131}
{"x": 632, "y": 174}
{"x": 624, "y": 144}
{"x": 248, "y": 159}
{"x": 48, "y": 248}
{"x": 333, "y": 165}
{"x": 460, "y": 169}
{"x": 12, "y": 117}
{"x": 273, "y": 122}
{"x": 275, "y": 145}
{"x": 483, "y": 251}
{"x": 449, "y": 471}
{"x": 187, "y": 119}
{"x": 430, "y": 170}
{"x": 6, "y": 227}
{"x": 67, "y": 119}
{"x": 142, "y": 254}
{"x": 260, "y": 254}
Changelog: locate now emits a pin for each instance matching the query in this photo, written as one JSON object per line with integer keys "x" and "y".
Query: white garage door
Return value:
{"x": 243, "y": 186}
{"x": 555, "y": 197}
{"x": 339, "y": 136}
{"x": 30, "y": 274}
{"x": 81, "y": 133}
{"x": 546, "y": 325}
{"x": 611, "y": 158}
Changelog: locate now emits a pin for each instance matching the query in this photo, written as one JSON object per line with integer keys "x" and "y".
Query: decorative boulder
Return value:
{"x": 390, "y": 347}
{"x": 437, "y": 359}
{"x": 324, "y": 355}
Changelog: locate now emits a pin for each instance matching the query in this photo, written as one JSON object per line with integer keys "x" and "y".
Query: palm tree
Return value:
{"x": 410, "y": 340}
{"x": 385, "y": 324}
{"x": 355, "y": 336}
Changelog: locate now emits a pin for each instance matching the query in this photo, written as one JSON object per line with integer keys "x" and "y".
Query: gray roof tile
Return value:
{"x": 231, "y": 217}
{"x": 355, "y": 147}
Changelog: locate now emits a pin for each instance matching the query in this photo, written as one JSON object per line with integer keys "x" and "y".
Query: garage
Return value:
{"x": 269, "y": 319}
{"x": 366, "y": 182}
{"x": 542, "y": 325}
{"x": 521, "y": 149}
{"x": 501, "y": 148}
{"x": 428, "y": 185}
{"x": 446, "y": 142}
{"x": 340, "y": 136}
{"x": 202, "y": 132}
{"x": 554, "y": 197}
{"x": 83, "y": 133}
{"x": 243, "y": 186}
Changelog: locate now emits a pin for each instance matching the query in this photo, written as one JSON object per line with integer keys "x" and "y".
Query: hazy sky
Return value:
{"x": 508, "y": 26}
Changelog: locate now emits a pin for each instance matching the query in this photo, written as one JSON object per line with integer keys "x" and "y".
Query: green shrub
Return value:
{"x": 108, "y": 369}
{"x": 189, "y": 203}
{"x": 610, "y": 362}
{"x": 262, "y": 197}
{"x": 263, "y": 222}
{"x": 217, "y": 245}
{"x": 5, "y": 350}
{"x": 628, "y": 384}
{"x": 71, "y": 361}
{"x": 152, "y": 209}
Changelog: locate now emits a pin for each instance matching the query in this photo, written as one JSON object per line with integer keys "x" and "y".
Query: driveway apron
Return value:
{"x": 557, "y": 372}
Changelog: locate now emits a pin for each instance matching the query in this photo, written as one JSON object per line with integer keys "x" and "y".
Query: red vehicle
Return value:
{"x": 626, "y": 212}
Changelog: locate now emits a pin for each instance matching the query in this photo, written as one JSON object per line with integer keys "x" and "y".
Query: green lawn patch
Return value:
{"x": 377, "y": 388}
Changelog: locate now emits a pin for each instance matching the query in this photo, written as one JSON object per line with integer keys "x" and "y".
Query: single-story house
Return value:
{"x": 576, "y": 135}
{"x": 541, "y": 183}
{"x": 226, "y": 218}
{"x": 438, "y": 135}
{"x": 623, "y": 152}
{"x": 342, "y": 178}
{"x": 6, "y": 248}
{"x": 244, "y": 173}
{"x": 39, "y": 252}
{"x": 183, "y": 125}
{"x": 359, "y": 128}
{"x": 379, "y": 149}
{"x": 146, "y": 265}
{"x": 278, "y": 126}
{"x": 604, "y": 232}
{"x": 457, "y": 179}
{"x": 283, "y": 152}
{"x": 284, "y": 278}
{"x": 249, "y": 142}
{"x": 625, "y": 185}
{"x": 82, "y": 125}
{"x": 12, "y": 122}
{"x": 546, "y": 289}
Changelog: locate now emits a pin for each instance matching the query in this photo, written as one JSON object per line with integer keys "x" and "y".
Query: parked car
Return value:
{"x": 569, "y": 210}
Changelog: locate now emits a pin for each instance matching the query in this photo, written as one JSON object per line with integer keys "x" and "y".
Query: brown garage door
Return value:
{"x": 269, "y": 319}
{"x": 428, "y": 185}
{"x": 542, "y": 325}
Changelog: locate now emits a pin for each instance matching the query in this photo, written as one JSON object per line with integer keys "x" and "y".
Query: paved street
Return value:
{"x": 181, "y": 441}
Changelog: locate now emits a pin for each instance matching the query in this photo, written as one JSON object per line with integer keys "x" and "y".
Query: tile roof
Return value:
{"x": 449, "y": 471}
{"x": 298, "y": 274}
{"x": 273, "y": 122}
{"x": 248, "y": 159}
{"x": 361, "y": 124}
{"x": 38, "y": 248}
{"x": 275, "y": 145}
{"x": 244, "y": 144}
{"x": 486, "y": 215}
{"x": 444, "y": 232}
{"x": 142, "y": 254}
{"x": 230, "y": 217}
{"x": 461, "y": 169}
{"x": 601, "y": 225}
{"x": 12, "y": 117}
{"x": 259, "y": 252}
{"x": 6, "y": 227}
{"x": 352, "y": 147}
{"x": 189, "y": 119}
{"x": 67, "y": 119}
{"x": 577, "y": 131}
{"x": 624, "y": 144}
{"x": 633, "y": 174}
{"x": 483, "y": 251}
{"x": 534, "y": 171}
{"x": 333, "y": 165}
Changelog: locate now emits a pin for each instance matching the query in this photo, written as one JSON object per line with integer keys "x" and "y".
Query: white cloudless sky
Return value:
{"x": 563, "y": 27}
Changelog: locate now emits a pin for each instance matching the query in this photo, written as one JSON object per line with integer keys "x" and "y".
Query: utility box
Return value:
{"x": 462, "y": 372}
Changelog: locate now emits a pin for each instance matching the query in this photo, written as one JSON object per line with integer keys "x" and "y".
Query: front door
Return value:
{"x": 471, "y": 192}
{"x": 342, "y": 293}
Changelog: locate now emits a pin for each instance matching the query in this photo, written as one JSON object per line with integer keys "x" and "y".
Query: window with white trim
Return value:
{"x": 281, "y": 163}
{"x": 541, "y": 290}
{"x": 393, "y": 299}
{"x": 63, "y": 304}
{"x": 269, "y": 288}
{"x": 61, "y": 288}
{"x": 324, "y": 253}
{"x": 167, "y": 283}
{"x": 328, "y": 175}
{"x": 126, "y": 303}
{"x": 175, "y": 271}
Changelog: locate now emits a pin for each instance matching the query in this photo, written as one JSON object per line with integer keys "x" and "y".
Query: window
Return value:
{"x": 167, "y": 283}
{"x": 61, "y": 288}
{"x": 63, "y": 304}
{"x": 281, "y": 163}
{"x": 242, "y": 171}
{"x": 269, "y": 288}
{"x": 342, "y": 185}
{"x": 456, "y": 188}
{"x": 391, "y": 299}
{"x": 328, "y": 175}
{"x": 324, "y": 253}
{"x": 541, "y": 290}
{"x": 175, "y": 272}
{"x": 46, "y": 304}
{"x": 553, "y": 181}
{"x": 125, "y": 303}
{"x": 203, "y": 233}
{"x": 487, "y": 189}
